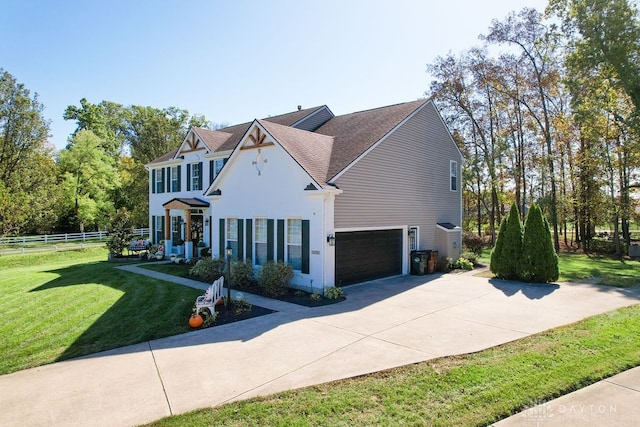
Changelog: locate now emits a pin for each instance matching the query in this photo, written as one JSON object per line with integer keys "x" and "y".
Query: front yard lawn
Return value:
{"x": 472, "y": 389}
{"x": 68, "y": 304}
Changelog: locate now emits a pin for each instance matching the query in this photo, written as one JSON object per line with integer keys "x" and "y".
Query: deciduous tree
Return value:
{"x": 88, "y": 176}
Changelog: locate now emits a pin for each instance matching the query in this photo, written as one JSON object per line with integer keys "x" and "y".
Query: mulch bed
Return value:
{"x": 229, "y": 316}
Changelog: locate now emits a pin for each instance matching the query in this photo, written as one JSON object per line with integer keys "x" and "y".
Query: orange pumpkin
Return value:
{"x": 195, "y": 321}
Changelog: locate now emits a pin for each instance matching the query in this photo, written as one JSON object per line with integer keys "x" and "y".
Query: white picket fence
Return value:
{"x": 19, "y": 245}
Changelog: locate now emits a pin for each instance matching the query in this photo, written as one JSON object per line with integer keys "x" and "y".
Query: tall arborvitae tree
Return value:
{"x": 507, "y": 260}
{"x": 539, "y": 261}
{"x": 496, "y": 253}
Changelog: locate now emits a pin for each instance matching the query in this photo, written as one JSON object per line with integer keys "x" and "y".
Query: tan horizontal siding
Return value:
{"x": 404, "y": 180}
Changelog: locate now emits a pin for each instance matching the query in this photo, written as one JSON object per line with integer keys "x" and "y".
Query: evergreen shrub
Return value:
{"x": 120, "y": 232}
{"x": 274, "y": 278}
{"x": 242, "y": 274}
{"x": 539, "y": 261}
{"x": 208, "y": 269}
{"x": 506, "y": 256}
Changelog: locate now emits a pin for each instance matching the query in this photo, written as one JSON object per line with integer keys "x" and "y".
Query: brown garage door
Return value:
{"x": 367, "y": 255}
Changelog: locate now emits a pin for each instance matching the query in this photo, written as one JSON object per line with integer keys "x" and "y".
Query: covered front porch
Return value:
{"x": 187, "y": 222}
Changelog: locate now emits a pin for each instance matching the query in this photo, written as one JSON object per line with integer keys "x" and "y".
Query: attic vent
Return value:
{"x": 299, "y": 107}
{"x": 310, "y": 187}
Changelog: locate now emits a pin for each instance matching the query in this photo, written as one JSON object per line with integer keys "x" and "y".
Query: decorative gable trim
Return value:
{"x": 257, "y": 138}
{"x": 191, "y": 143}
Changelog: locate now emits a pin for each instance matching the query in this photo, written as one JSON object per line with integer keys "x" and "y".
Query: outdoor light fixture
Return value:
{"x": 229, "y": 253}
{"x": 206, "y": 221}
{"x": 331, "y": 239}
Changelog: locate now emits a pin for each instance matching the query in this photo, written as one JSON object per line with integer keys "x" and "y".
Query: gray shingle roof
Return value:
{"x": 355, "y": 133}
{"x": 325, "y": 152}
{"x": 312, "y": 151}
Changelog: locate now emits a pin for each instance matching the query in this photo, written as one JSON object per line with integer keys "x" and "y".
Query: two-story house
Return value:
{"x": 343, "y": 199}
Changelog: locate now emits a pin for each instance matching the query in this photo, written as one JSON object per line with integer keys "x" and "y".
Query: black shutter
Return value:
{"x": 221, "y": 239}
{"x": 249, "y": 246}
{"x": 161, "y": 189}
{"x": 240, "y": 239}
{"x": 153, "y": 180}
{"x": 280, "y": 245}
{"x": 153, "y": 236}
{"x": 162, "y": 232}
{"x": 269, "y": 240}
{"x": 167, "y": 175}
{"x": 211, "y": 171}
{"x": 188, "y": 177}
{"x": 305, "y": 246}
{"x": 180, "y": 178}
{"x": 200, "y": 176}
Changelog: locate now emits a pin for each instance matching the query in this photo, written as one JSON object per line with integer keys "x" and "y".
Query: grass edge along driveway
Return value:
{"x": 471, "y": 389}
{"x": 69, "y": 304}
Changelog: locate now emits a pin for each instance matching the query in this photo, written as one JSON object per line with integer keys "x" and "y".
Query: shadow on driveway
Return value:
{"x": 531, "y": 291}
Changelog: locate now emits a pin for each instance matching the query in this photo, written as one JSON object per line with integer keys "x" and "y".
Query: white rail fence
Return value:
{"x": 18, "y": 245}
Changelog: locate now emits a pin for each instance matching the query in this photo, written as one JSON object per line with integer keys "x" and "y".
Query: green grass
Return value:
{"x": 473, "y": 389}
{"x": 68, "y": 304}
{"x": 602, "y": 270}
{"x": 180, "y": 270}
{"x": 608, "y": 270}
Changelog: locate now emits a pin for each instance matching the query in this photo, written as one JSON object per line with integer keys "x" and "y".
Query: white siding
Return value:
{"x": 405, "y": 180}
{"x": 276, "y": 193}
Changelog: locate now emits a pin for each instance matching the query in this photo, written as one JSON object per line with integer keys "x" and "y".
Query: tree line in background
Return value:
{"x": 546, "y": 111}
{"x": 100, "y": 171}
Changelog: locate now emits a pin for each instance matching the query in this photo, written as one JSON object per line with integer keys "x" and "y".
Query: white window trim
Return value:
{"x": 256, "y": 241}
{"x": 287, "y": 243}
{"x": 173, "y": 170}
{"x": 216, "y": 169}
{"x": 159, "y": 184}
{"x": 452, "y": 175}
{"x": 193, "y": 179}
{"x": 417, "y": 239}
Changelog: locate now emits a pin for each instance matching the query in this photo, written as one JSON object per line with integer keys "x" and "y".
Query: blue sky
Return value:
{"x": 235, "y": 60}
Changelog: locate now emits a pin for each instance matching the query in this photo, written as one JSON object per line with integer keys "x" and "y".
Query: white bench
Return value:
{"x": 211, "y": 297}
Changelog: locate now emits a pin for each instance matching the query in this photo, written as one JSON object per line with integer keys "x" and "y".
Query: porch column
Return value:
{"x": 167, "y": 224}
{"x": 188, "y": 244}
{"x": 187, "y": 231}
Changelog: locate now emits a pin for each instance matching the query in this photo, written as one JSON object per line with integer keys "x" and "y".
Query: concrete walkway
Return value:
{"x": 382, "y": 324}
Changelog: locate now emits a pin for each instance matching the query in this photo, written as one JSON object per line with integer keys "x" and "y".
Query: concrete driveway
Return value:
{"x": 382, "y": 324}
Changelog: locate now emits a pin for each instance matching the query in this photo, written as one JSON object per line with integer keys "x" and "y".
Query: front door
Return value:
{"x": 196, "y": 229}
